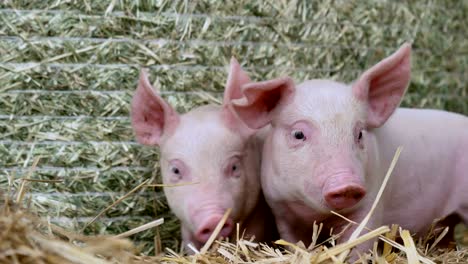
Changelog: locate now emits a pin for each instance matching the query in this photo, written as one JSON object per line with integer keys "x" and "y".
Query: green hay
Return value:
{"x": 87, "y": 56}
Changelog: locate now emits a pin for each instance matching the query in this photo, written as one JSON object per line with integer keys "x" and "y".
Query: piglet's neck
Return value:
{"x": 261, "y": 222}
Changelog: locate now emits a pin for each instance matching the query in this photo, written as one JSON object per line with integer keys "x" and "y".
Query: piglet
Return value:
{"x": 210, "y": 147}
{"x": 331, "y": 144}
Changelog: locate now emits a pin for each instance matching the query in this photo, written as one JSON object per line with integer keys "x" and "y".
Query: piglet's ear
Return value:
{"x": 236, "y": 79}
{"x": 151, "y": 115}
{"x": 383, "y": 86}
{"x": 260, "y": 99}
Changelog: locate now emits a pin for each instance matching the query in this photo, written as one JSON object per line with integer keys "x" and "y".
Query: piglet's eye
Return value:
{"x": 233, "y": 168}
{"x": 359, "y": 135}
{"x": 299, "y": 135}
{"x": 177, "y": 171}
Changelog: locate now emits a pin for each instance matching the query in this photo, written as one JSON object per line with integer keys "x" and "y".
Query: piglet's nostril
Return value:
{"x": 336, "y": 196}
{"x": 206, "y": 231}
{"x": 358, "y": 196}
{"x": 226, "y": 229}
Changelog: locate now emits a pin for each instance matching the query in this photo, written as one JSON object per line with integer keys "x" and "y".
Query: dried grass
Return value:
{"x": 68, "y": 70}
{"x": 25, "y": 238}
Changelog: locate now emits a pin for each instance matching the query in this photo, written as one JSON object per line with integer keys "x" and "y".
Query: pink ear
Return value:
{"x": 384, "y": 85}
{"x": 151, "y": 115}
{"x": 236, "y": 79}
{"x": 260, "y": 99}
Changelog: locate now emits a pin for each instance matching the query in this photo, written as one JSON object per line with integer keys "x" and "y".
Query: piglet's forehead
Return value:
{"x": 322, "y": 102}
{"x": 202, "y": 138}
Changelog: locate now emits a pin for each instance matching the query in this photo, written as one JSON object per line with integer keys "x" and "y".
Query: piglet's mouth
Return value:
{"x": 343, "y": 191}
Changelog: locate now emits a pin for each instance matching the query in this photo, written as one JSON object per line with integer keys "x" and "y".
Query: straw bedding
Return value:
{"x": 26, "y": 238}
{"x": 68, "y": 70}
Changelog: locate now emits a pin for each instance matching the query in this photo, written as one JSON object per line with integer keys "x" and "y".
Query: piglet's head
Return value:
{"x": 209, "y": 149}
{"x": 323, "y": 131}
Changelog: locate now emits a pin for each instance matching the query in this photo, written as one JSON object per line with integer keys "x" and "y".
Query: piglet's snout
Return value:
{"x": 208, "y": 226}
{"x": 343, "y": 192}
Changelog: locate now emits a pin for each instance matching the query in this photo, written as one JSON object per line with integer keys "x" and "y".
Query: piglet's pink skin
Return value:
{"x": 211, "y": 147}
{"x": 332, "y": 143}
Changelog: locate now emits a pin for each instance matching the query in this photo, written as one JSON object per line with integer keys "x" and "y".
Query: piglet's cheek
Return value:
{"x": 312, "y": 190}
